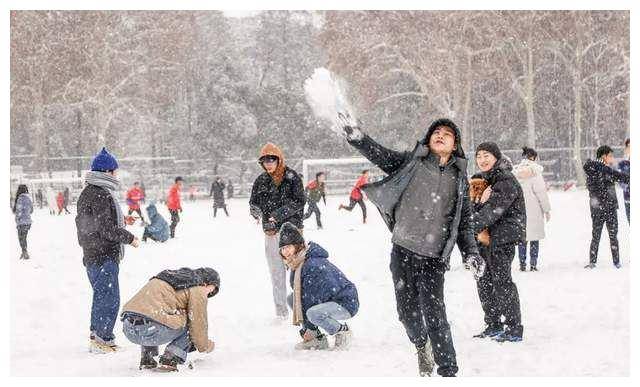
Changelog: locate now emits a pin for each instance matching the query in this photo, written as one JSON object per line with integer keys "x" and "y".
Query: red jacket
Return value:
{"x": 356, "y": 193}
{"x": 60, "y": 200}
{"x": 173, "y": 199}
{"x": 134, "y": 196}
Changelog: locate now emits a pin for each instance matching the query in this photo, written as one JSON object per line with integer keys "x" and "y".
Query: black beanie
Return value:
{"x": 490, "y": 147}
{"x": 290, "y": 235}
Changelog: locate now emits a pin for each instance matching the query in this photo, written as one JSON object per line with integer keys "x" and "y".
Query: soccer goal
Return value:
{"x": 341, "y": 174}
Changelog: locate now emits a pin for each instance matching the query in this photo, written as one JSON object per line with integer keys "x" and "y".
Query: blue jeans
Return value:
{"x": 151, "y": 334}
{"x": 522, "y": 253}
{"x": 325, "y": 315}
{"x": 106, "y": 299}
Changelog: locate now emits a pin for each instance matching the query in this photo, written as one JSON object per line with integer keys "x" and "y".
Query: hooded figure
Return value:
{"x": 158, "y": 228}
{"x": 424, "y": 231}
{"x": 277, "y": 197}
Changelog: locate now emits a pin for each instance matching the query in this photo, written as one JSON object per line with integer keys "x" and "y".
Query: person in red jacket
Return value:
{"x": 174, "y": 204}
{"x": 60, "y": 202}
{"x": 134, "y": 197}
{"x": 357, "y": 197}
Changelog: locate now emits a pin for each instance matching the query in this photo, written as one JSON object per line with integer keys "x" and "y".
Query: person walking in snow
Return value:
{"x": 174, "y": 204}
{"x": 424, "y": 231}
{"x": 500, "y": 210}
{"x": 357, "y": 197}
{"x": 23, "y": 208}
{"x": 102, "y": 235}
{"x": 217, "y": 192}
{"x": 603, "y": 202}
{"x": 60, "y": 202}
{"x": 277, "y": 196}
{"x": 171, "y": 309}
{"x": 314, "y": 191}
{"x": 158, "y": 228}
{"x": 134, "y": 198}
{"x": 625, "y": 167}
{"x": 538, "y": 209}
{"x": 39, "y": 198}
{"x": 229, "y": 189}
{"x": 322, "y": 296}
{"x": 51, "y": 201}
{"x": 67, "y": 199}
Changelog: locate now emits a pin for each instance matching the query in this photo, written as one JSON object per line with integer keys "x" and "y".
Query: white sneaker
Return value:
{"x": 343, "y": 340}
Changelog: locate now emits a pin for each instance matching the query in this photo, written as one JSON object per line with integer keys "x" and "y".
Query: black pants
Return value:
{"x": 419, "y": 287}
{"x": 598, "y": 219}
{"x": 352, "y": 203}
{"x": 218, "y": 205}
{"x": 313, "y": 209}
{"x": 137, "y": 210}
{"x": 23, "y": 230}
{"x": 498, "y": 294}
{"x": 175, "y": 218}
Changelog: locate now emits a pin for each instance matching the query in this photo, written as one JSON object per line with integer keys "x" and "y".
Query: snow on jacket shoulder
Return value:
{"x": 322, "y": 282}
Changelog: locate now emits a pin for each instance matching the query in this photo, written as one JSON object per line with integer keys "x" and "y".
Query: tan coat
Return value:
{"x": 158, "y": 301}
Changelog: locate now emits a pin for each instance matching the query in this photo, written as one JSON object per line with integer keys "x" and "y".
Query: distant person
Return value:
{"x": 23, "y": 208}
{"x": 101, "y": 231}
{"x": 51, "y": 201}
{"x": 217, "y": 192}
{"x": 277, "y": 196}
{"x": 174, "y": 204}
{"x": 134, "y": 197}
{"x": 322, "y": 296}
{"x": 171, "y": 309}
{"x": 229, "y": 189}
{"x": 529, "y": 175}
{"x": 39, "y": 198}
{"x": 314, "y": 192}
{"x": 625, "y": 167}
{"x": 60, "y": 202}
{"x": 157, "y": 229}
{"x": 67, "y": 199}
{"x": 357, "y": 197}
{"x": 192, "y": 193}
{"x": 603, "y": 203}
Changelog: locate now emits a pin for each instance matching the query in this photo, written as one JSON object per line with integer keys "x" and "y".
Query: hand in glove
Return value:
{"x": 476, "y": 265}
{"x": 349, "y": 126}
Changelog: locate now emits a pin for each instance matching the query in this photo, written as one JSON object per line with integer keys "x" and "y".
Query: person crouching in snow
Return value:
{"x": 158, "y": 229}
{"x": 171, "y": 309}
{"x": 322, "y": 295}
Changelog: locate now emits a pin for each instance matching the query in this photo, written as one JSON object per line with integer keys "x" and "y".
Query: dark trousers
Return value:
{"x": 23, "y": 230}
{"x": 352, "y": 203}
{"x": 216, "y": 206}
{"x": 533, "y": 253}
{"x": 137, "y": 210}
{"x": 498, "y": 294}
{"x": 598, "y": 219}
{"x": 313, "y": 209}
{"x": 106, "y": 298}
{"x": 175, "y": 218}
{"x": 419, "y": 287}
{"x": 627, "y": 210}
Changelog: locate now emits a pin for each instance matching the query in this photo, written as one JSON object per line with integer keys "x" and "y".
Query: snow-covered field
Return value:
{"x": 576, "y": 321}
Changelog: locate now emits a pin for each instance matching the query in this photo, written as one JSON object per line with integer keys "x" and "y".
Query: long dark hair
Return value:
{"x": 22, "y": 188}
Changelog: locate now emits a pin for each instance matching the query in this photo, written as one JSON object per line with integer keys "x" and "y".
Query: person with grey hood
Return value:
{"x": 23, "y": 208}
{"x": 424, "y": 231}
{"x": 102, "y": 236}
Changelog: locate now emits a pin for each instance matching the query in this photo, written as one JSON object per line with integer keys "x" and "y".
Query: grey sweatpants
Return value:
{"x": 278, "y": 273}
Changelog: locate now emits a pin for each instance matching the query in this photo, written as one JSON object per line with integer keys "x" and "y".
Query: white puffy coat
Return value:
{"x": 529, "y": 174}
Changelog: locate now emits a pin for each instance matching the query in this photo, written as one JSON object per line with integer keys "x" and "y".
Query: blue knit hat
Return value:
{"x": 104, "y": 161}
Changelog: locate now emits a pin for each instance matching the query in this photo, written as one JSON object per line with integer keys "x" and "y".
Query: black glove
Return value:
{"x": 349, "y": 126}
{"x": 476, "y": 265}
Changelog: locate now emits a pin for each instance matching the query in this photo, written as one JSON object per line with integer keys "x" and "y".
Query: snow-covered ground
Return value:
{"x": 576, "y": 321}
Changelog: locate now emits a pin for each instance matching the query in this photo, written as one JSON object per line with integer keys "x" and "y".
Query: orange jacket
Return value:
{"x": 356, "y": 193}
{"x": 173, "y": 199}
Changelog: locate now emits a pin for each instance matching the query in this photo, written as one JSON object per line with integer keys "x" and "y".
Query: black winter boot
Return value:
{"x": 146, "y": 358}
{"x": 169, "y": 363}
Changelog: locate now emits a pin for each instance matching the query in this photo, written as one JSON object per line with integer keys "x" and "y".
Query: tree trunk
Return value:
{"x": 530, "y": 101}
{"x": 577, "y": 118}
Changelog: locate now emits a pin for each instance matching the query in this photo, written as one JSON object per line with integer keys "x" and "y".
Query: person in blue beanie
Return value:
{"x": 322, "y": 295}
{"x": 102, "y": 235}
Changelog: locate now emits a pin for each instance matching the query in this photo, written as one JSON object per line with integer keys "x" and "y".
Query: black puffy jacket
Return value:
{"x": 97, "y": 226}
{"x": 284, "y": 203}
{"x": 504, "y": 214}
{"x": 601, "y": 184}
